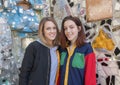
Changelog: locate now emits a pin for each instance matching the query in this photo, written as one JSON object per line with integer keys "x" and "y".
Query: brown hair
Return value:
{"x": 41, "y": 31}
{"x": 81, "y": 35}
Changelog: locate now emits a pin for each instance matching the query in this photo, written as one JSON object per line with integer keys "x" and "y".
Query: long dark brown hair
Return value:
{"x": 81, "y": 35}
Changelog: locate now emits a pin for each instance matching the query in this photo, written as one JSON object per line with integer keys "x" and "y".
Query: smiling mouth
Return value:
{"x": 52, "y": 35}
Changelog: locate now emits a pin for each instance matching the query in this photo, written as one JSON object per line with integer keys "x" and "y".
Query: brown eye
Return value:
{"x": 48, "y": 28}
{"x": 65, "y": 28}
{"x": 54, "y": 28}
{"x": 71, "y": 27}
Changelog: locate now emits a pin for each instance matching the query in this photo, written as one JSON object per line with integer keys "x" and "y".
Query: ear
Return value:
{"x": 79, "y": 28}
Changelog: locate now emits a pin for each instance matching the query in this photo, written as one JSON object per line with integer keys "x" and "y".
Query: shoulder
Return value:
{"x": 36, "y": 45}
{"x": 88, "y": 45}
{"x": 89, "y": 48}
{"x": 86, "y": 48}
{"x": 33, "y": 45}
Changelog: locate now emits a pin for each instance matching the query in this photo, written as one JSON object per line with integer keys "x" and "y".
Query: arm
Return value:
{"x": 90, "y": 68}
{"x": 27, "y": 64}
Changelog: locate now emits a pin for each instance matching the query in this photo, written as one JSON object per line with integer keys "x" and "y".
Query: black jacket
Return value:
{"x": 35, "y": 69}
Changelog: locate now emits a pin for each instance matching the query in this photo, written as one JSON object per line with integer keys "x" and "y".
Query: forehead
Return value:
{"x": 49, "y": 24}
{"x": 69, "y": 23}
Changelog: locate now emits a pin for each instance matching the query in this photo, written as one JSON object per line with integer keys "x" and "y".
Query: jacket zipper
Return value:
{"x": 48, "y": 71}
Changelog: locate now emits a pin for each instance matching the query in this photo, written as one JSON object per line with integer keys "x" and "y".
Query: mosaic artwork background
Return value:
{"x": 19, "y": 25}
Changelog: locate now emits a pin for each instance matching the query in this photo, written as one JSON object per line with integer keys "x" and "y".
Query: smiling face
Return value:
{"x": 50, "y": 31}
{"x": 71, "y": 30}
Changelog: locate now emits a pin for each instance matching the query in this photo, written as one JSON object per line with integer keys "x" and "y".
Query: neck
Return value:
{"x": 50, "y": 44}
{"x": 71, "y": 46}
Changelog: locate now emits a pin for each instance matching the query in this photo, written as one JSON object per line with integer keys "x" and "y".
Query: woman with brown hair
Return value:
{"x": 77, "y": 63}
{"x": 40, "y": 62}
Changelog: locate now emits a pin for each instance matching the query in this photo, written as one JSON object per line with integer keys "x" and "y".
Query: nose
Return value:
{"x": 68, "y": 30}
{"x": 52, "y": 30}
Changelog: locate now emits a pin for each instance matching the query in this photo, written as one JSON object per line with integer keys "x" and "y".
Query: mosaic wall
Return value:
{"x": 19, "y": 24}
{"x": 19, "y": 20}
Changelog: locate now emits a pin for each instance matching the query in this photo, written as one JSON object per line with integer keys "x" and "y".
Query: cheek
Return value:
{"x": 77, "y": 31}
{"x": 65, "y": 32}
{"x": 46, "y": 33}
{"x": 56, "y": 31}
